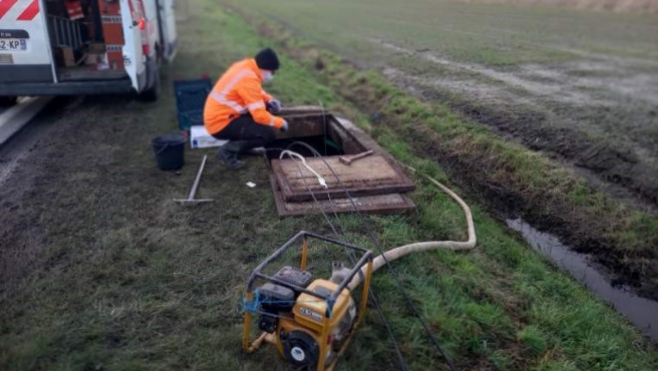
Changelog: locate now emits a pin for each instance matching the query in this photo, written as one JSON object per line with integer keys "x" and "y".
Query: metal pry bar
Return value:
{"x": 195, "y": 186}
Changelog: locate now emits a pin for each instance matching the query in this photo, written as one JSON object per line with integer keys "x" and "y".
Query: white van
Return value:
{"x": 78, "y": 47}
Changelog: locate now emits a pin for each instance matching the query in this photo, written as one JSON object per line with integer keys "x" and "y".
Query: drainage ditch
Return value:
{"x": 643, "y": 313}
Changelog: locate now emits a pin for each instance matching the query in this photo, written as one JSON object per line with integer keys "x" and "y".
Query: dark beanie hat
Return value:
{"x": 266, "y": 59}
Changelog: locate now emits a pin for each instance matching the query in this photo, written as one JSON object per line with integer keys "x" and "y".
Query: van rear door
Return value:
{"x": 131, "y": 13}
{"x": 25, "y": 51}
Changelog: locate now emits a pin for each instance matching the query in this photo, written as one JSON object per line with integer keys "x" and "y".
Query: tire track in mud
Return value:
{"x": 533, "y": 103}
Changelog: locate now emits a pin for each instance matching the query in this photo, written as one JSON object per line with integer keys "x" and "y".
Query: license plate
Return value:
{"x": 13, "y": 45}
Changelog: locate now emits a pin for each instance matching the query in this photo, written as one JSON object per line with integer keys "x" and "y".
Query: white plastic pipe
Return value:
{"x": 321, "y": 180}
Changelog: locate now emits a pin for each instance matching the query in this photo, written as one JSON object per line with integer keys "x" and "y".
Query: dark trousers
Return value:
{"x": 243, "y": 134}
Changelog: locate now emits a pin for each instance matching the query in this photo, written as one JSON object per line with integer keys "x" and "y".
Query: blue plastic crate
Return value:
{"x": 190, "y": 98}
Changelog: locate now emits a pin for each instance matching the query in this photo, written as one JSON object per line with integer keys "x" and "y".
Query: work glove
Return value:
{"x": 274, "y": 106}
{"x": 284, "y": 128}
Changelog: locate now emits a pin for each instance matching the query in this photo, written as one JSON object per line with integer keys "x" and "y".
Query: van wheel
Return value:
{"x": 8, "y": 101}
{"x": 152, "y": 94}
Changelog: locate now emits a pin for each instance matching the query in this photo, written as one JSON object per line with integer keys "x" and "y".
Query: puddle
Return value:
{"x": 643, "y": 313}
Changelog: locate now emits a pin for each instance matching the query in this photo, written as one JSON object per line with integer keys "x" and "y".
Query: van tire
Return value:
{"x": 152, "y": 93}
{"x": 7, "y": 101}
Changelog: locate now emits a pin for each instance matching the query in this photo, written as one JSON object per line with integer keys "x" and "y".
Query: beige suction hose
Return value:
{"x": 401, "y": 251}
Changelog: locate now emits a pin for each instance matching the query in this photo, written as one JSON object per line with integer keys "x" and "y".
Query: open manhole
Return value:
{"x": 375, "y": 183}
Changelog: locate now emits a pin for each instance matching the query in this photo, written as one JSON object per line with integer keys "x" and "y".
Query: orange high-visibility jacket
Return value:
{"x": 237, "y": 92}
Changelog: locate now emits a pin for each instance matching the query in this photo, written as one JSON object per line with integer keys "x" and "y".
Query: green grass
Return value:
{"x": 128, "y": 280}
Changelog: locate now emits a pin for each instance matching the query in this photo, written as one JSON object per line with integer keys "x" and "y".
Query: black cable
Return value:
{"x": 373, "y": 297}
{"x": 394, "y": 273}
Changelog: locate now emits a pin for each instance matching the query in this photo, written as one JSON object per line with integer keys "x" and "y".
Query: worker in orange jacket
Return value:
{"x": 238, "y": 109}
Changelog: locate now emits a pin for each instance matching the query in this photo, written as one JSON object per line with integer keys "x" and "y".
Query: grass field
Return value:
{"x": 102, "y": 271}
{"x": 581, "y": 86}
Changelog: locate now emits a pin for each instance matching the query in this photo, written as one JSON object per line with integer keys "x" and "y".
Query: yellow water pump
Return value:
{"x": 310, "y": 321}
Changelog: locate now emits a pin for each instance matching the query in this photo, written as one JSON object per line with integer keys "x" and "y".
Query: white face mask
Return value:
{"x": 267, "y": 76}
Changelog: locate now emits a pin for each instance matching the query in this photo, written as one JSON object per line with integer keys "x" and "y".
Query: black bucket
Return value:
{"x": 169, "y": 151}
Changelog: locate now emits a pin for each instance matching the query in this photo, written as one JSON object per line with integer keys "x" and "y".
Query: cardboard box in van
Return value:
{"x": 65, "y": 56}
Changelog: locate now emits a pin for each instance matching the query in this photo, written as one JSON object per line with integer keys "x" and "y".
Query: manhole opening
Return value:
{"x": 322, "y": 132}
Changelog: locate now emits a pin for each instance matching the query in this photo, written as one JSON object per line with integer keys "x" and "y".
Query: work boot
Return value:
{"x": 229, "y": 156}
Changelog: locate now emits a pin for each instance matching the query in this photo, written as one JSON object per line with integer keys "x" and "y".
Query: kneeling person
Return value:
{"x": 237, "y": 108}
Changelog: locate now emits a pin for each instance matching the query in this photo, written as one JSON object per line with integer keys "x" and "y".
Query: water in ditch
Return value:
{"x": 643, "y": 313}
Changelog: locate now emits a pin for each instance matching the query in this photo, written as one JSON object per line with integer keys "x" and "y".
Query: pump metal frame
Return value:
{"x": 304, "y": 236}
